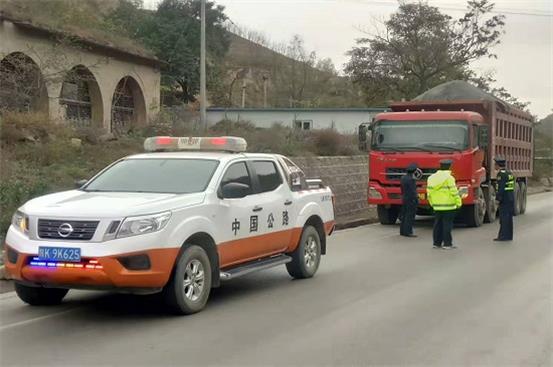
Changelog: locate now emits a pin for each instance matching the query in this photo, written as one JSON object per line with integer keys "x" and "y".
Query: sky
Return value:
{"x": 330, "y": 27}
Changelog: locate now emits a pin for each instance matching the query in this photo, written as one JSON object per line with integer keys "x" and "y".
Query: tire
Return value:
{"x": 188, "y": 289}
{"x": 491, "y": 207}
{"x": 307, "y": 256}
{"x": 387, "y": 216}
{"x": 523, "y": 197}
{"x": 474, "y": 214}
{"x": 517, "y": 199}
{"x": 38, "y": 296}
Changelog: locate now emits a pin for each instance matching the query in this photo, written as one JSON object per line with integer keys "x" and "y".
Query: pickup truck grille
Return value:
{"x": 66, "y": 229}
{"x": 397, "y": 173}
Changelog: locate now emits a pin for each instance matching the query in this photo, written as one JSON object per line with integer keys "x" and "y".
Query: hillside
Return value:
{"x": 289, "y": 82}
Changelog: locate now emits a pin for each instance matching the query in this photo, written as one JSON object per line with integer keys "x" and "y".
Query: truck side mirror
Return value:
{"x": 235, "y": 190}
{"x": 364, "y": 136}
{"x": 483, "y": 137}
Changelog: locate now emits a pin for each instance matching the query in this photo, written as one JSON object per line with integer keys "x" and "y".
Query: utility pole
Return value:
{"x": 265, "y": 79}
{"x": 243, "y": 93}
{"x": 203, "y": 119}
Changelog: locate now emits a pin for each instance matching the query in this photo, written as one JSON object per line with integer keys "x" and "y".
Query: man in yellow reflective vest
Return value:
{"x": 444, "y": 198}
{"x": 506, "y": 197}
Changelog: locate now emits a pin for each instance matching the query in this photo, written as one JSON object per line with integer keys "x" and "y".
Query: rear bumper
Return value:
{"x": 110, "y": 274}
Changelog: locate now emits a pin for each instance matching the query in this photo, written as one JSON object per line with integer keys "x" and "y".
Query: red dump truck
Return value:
{"x": 471, "y": 131}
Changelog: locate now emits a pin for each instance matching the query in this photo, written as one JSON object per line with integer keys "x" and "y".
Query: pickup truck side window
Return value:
{"x": 267, "y": 173}
{"x": 237, "y": 172}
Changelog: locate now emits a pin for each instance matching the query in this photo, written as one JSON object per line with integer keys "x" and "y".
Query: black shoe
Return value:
{"x": 411, "y": 235}
{"x": 436, "y": 246}
{"x": 501, "y": 240}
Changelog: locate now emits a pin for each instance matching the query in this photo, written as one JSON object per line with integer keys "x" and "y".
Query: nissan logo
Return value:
{"x": 65, "y": 230}
{"x": 417, "y": 174}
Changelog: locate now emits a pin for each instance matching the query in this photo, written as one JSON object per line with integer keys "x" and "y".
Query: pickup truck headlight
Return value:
{"x": 134, "y": 226}
{"x": 21, "y": 221}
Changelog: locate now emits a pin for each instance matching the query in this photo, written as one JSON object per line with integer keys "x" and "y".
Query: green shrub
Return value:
{"x": 13, "y": 193}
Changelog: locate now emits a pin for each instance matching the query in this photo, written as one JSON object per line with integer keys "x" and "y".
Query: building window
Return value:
{"x": 303, "y": 124}
{"x": 75, "y": 97}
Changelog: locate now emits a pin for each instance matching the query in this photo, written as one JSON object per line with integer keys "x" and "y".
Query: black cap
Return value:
{"x": 500, "y": 161}
{"x": 412, "y": 167}
{"x": 445, "y": 163}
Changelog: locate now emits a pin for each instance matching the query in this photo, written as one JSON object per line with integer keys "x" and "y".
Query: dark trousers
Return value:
{"x": 443, "y": 224}
{"x": 408, "y": 213}
{"x": 506, "y": 211}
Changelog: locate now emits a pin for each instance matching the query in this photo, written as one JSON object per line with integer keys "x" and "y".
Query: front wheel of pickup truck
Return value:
{"x": 307, "y": 257}
{"x": 188, "y": 290}
{"x": 37, "y": 296}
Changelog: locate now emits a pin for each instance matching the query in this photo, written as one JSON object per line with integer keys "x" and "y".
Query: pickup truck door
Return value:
{"x": 278, "y": 216}
{"x": 237, "y": 222}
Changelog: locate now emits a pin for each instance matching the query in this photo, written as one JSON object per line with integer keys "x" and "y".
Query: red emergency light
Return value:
{"x": 221, "y": 143}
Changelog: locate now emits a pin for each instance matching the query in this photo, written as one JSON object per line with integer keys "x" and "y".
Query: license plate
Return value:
{"x": 422, "y": 196}
{"x": 59, "y": 253}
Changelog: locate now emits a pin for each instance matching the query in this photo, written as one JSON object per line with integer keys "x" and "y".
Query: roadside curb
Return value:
{"x": 355, "y": 223}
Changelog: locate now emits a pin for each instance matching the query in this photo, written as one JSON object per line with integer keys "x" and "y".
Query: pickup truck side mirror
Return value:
{"x": 235, "y": 190}
{"x": 80, "y": 183}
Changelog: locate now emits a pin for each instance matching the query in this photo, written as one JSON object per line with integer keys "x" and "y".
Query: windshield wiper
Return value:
{"x": 440, "y": 146}
{"x": 413, "y": 148}
{"x": 387, "y": 149}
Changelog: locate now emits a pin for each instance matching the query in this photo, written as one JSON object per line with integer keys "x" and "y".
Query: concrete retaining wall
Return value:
{"x": 346, "y": 176}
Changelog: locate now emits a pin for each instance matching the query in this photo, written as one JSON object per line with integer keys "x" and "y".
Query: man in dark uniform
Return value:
{"x": 506, "y": 197}
{"x": 410, "y": 201}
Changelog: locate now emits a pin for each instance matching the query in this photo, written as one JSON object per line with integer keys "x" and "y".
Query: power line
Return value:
{"x": 533, "y": 13}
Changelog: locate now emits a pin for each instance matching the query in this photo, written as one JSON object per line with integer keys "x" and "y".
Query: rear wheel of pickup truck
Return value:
{"x": 474, "y": 214}
{"x": 188, "y": 290}
{"x": 387, "y": 215}
{"x": 307, "y": 257}
{"x": 37, "y": 296}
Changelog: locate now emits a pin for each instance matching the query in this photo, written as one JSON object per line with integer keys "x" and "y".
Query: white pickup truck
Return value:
{"x": 178, "y": 220}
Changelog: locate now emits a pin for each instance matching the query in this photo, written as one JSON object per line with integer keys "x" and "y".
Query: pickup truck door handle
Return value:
{"x": 288, "y": 202}
{"x": 257, "y": 208}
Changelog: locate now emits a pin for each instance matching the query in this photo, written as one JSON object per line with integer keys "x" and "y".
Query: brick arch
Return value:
{"x": 23, "y": 87}
{"x": 128, "y": 105}
{"x": 81, "y": 98}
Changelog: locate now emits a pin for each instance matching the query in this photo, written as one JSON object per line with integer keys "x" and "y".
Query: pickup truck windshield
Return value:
{"x": 420, "y": 135}
{"x": 174, "y": 176}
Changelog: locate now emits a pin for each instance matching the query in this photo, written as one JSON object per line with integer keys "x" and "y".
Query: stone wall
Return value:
{"x": 346, "y": 176}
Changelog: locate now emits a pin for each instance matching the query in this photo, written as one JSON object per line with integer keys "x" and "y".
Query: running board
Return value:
{"x": 255, "y": 265}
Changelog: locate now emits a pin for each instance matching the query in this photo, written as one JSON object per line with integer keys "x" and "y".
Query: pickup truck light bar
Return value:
{"x": 221, "y": 143}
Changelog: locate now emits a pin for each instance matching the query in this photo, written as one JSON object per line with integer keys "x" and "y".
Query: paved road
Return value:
{"x": 378, "y": 299}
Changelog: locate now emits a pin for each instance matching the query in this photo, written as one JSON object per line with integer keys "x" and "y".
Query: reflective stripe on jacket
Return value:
{"x": 442, "y": 192}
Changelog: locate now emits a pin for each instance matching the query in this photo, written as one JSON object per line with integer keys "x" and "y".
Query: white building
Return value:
{"x": 344, "y": 120}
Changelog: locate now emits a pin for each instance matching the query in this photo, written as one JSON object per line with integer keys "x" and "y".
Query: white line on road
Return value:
{"x": 40, "y": 318}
